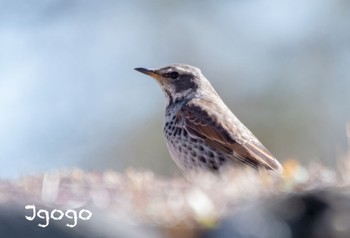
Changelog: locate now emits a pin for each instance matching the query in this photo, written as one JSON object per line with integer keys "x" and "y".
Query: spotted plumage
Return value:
{"x": 201, "y": 133}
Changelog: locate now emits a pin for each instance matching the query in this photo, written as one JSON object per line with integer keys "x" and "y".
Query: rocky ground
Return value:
{"x": 311, "y": 201}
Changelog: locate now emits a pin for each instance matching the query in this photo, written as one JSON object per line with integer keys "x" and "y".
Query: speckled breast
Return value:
{"x": 190, "y": 153}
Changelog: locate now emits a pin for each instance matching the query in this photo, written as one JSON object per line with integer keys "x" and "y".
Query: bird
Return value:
{"x": 201, "y": 132}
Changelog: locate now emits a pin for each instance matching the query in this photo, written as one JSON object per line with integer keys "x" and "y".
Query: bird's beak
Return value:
{"x": 149, "y": 72}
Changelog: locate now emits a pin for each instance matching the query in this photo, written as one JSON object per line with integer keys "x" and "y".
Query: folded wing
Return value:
{"x": 226, "y": 138}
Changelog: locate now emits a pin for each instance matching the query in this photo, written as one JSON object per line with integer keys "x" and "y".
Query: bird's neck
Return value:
{"x": 177, "y": 99}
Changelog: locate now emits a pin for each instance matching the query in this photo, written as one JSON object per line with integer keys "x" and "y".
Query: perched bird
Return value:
{"x": 201, "y": 132}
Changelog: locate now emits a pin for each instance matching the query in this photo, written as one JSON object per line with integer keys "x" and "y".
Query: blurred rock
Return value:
{"x": 315, "y": 214}
{"x": 241, "y": 204}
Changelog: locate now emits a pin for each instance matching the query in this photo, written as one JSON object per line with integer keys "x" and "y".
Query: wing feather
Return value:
{"x": 244, "y": 147}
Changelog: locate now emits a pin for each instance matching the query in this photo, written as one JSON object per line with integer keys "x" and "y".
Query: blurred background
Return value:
{"x": 69, "y": 96}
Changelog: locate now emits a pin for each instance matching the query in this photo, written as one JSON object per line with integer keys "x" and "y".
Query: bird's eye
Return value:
{"x": 174, "y": 75}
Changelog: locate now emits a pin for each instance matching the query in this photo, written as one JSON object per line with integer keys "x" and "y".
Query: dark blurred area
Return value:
{"x": 315, "y": 214}
{"x": 69, "y": 96}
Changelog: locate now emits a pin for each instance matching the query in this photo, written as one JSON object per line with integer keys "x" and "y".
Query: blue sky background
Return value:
{"x": 69, "y": 96}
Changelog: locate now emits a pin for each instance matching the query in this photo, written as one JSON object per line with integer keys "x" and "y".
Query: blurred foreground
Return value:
{"x": 306, "y": 202}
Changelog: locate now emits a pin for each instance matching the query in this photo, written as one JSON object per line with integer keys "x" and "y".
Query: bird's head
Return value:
{"x": 177, "y": 80}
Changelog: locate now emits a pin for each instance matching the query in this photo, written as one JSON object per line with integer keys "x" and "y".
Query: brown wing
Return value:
{"x": 242, "y": 146}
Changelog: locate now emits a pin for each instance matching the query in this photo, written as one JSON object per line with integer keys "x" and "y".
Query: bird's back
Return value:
{"x": 203, "y": 133}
